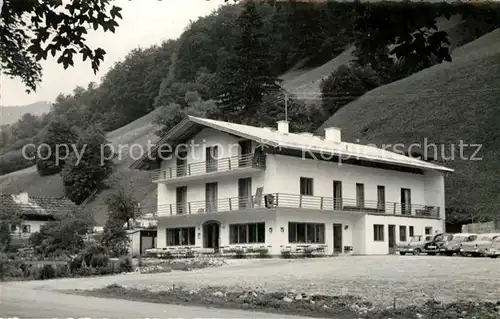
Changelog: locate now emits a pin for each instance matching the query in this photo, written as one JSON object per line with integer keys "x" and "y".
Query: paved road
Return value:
{"x": 22, "y": 301}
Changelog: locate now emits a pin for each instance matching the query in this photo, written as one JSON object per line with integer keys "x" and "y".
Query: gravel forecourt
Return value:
{"x": 379, "y": 279}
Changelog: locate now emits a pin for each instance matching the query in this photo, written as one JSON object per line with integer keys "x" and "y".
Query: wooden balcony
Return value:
{"x": 215, "y": 168}
{"x": 282, "y": 200}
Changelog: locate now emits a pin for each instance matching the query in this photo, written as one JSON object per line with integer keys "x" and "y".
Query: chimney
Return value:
{"x": 283, "y": 127}
{"x": 332, "y": 134}
{"x": 23, "y": 198}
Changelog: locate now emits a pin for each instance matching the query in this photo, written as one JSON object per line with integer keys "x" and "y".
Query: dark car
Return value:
{"x": 432, "y": 248}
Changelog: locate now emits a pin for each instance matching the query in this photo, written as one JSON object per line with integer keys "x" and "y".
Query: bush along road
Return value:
{"x": 339, "y": 307}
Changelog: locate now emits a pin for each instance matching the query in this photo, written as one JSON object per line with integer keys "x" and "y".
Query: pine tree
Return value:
{"x": 245, "y": 72}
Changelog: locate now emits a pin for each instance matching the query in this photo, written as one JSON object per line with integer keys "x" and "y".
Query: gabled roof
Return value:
{"x": 37, "y": 206}
{"x": 305, "y": 143}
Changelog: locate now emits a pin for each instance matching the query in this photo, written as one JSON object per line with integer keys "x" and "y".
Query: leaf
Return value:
{"x": 115, "y": 12}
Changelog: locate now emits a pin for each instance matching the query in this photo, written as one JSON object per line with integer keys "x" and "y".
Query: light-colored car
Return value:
{"x": 415, "y": 246}
{"x": 478, "y": 247}
{"x": 453, "y": 246}
{"x": 494, "y": 250}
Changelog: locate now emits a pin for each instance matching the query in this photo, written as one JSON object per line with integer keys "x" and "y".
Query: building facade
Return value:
{"x": 229, "y": 186}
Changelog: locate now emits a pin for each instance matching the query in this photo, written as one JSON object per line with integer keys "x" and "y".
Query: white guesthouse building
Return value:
{"x": 223, "y": 185}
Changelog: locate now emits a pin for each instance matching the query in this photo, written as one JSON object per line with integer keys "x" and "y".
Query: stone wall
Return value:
{"x": 488, "y": 227}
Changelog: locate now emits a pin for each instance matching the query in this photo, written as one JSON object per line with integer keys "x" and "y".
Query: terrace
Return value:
{"x": 282, "y": 200}
{"x": 213, "y": 169}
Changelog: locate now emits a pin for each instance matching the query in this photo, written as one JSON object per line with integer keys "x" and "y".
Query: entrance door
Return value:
{"x": 211, "y": 197}
{"x": 360, "y": 195}
{"x": 337, "y": 195}
{"x": 211, "y": 159}
{"x": 337, "y": 239}
{"x": 245, "y": 159}
{"x": 392, "y": 239}
{"x": 181, "y": 200}
{"x": 245, "y": 193}
{"x": 405, "y": 201}
{"x": 181, "y": 164}
{"x": 211, "y": 235}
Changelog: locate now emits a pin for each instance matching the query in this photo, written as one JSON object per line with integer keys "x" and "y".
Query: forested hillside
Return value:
{"x": 442, "y": 105}
{"x": 321, "y": 55}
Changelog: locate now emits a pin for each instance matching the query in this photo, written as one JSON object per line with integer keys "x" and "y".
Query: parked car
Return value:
{"x": 478, "y": 247}
{"x": 453, "y": 246}
{"x": 433, "y": 246}
{"x": 494, "y": 250}
{"x": 415, "y": 246}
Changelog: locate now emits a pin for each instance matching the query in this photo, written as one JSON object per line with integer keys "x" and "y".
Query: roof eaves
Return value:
{"x": 138, "y": 163}
{"x": 217, "y": 127}
{"x": 428, "y": 166}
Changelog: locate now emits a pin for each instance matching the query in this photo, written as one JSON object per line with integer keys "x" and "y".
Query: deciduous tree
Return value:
{"x": 83, "y": 175}
{"x": 60, "y": 137}
{"x": 30, "y": 30}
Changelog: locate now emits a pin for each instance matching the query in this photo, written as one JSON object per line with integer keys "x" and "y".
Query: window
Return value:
{"x": 378, "y": 232}
{"x": 26, "y": 229}
{"x": 381, "y": 198}
{"x": 416, "y": 238}
{"x": 13, "y": 228}
{"x": 306, "y": 186}
{"x": 402, "y": 233}
{"x": 181, "y": 236}
{"x": 360, "y": 195}
{"x": 428, "y": 230}
{"x": 337, "y": 195}
{"x": 247, "y": 233}
{"x": 310, "y": 233}
{"x": 411, "y": 231}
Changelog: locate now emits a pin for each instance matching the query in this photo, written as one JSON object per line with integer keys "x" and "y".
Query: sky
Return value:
{"x": 144, "y": 23}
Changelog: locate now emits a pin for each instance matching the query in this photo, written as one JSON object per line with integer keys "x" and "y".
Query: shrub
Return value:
{"x": 99, "y": 261}
{"x": 95, "y": 249}
{"x": 46, "y": 272}
{"x": 190, "y": 254}
{"x": 3, "y": 265}
{"x": 75, "y": 263}
{"x": 125, "y": 265}
{"x": 346, "y": 84}
{"x": 62, "y": 271}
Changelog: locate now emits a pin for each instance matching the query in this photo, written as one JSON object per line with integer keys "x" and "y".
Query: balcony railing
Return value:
{"x": 255, "y": 160}
{"x": 298, "y": 201}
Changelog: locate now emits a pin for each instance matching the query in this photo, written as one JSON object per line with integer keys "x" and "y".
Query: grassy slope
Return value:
{"x": 306, "y": 83}
{"x": 137, "y": 132}
{"x": 445, "y": 104}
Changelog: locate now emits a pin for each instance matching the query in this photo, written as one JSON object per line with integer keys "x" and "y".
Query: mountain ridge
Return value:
{"x": 12, "y": 114}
